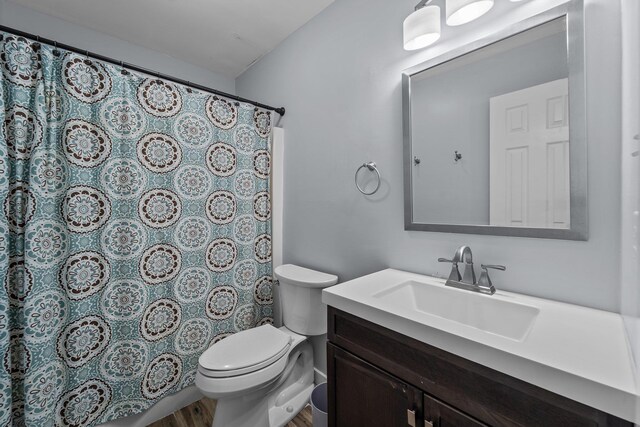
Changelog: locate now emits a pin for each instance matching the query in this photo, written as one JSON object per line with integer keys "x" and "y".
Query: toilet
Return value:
{"x": 262, "y": 377}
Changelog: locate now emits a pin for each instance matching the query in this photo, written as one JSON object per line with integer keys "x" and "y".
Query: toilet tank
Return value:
{"x": 301, "y": 295}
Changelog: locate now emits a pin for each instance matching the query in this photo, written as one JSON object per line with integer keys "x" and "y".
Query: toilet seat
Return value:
{"x": 245, "y": 352}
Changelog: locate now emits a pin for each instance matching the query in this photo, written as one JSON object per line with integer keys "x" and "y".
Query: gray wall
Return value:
{"x": 630, "y": 265}
{"x": 450, "y": 111}
{"x": 22, "y": 18}
{"x": 339, "y": 78}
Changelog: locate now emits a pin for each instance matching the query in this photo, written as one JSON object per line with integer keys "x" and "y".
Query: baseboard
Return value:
{"x": 161, "y": 409}
{"x": 319, "y": 377}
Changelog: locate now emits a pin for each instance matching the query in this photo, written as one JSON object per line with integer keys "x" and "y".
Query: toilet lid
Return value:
{"x": 304, "y": 277}
{"x": 251, "y": 348}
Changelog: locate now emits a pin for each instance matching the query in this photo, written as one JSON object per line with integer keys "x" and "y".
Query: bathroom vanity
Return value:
{"x": 394, "y": 360}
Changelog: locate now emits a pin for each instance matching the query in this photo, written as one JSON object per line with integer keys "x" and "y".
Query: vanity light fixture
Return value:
{"x": 422, "y": 27}
{"x": 460, "y": 12}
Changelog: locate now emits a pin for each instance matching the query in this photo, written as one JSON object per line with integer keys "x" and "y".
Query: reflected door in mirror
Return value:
{"x": 529, "y": 157}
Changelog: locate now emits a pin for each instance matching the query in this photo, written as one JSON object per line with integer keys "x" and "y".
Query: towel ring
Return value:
{"x": 372, "y": 167}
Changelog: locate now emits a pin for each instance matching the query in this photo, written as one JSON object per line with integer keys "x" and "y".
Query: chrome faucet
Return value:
{"x": 463, "y": 254}
{"x": 468, "y": 281}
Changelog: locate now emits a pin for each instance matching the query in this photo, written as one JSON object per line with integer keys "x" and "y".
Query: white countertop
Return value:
{"x": 577, "y": 352}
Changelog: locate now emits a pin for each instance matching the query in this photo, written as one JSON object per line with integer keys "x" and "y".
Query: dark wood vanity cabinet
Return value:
{"x": 378, "y": 377}
{"x": 369, "y": 396}
{"x": 442, "y": 415}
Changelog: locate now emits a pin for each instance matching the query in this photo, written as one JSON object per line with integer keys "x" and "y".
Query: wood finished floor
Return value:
{"x": 200, "y": 414}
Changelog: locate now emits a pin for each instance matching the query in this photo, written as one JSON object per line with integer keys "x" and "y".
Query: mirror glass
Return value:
{"x": 490, "y": 140}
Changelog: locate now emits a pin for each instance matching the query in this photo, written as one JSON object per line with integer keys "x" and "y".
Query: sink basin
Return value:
{"x": 496, "y": 316}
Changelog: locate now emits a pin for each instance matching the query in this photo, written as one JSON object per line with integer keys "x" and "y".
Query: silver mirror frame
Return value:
{"x": 574, "y": 13}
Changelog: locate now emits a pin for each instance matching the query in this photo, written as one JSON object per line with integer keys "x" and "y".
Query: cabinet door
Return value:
{"x": 361, "y": 395}
{"x": 439, "y": 414}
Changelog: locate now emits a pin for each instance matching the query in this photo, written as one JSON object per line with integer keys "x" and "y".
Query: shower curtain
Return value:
{"x": 134, "y": 232}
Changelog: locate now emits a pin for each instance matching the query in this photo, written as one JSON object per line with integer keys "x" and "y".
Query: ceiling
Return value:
{"x": 224, "y": 36}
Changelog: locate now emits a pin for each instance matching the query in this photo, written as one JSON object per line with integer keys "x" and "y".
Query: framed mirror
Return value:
{"x": 495, "y": 133}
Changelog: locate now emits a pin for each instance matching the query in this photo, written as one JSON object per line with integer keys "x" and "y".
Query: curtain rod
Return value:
{"x": 279, "y": 110}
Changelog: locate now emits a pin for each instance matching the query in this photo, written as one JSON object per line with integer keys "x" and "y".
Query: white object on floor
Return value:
{"x": 320, "y": 405}
{"x": 263, "y": 377}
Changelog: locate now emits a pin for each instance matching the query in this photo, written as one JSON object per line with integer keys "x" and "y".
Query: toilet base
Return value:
{"x": 281, "y": 415}
{"x": 275, "y": 404}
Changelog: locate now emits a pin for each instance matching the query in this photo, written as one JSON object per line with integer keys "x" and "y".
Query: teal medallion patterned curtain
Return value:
{"x": 134, "y": 232}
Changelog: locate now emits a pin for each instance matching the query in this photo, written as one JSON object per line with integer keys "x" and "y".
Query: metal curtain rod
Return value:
{"x": 279, "y": 110}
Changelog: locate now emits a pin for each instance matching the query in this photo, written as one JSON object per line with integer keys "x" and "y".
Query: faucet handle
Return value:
{"x": 455, "y": 273}
{"x": 494, "y": 267}
{"x": 485, "y": 280}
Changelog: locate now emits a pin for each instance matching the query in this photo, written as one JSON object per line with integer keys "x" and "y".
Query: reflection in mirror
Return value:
{"x": 490, "y": 139}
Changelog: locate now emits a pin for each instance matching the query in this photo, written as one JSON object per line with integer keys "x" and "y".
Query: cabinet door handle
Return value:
{"x": 411, "y": 417}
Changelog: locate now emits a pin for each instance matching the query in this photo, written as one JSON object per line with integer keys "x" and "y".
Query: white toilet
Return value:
{"x": 262, "y": 377}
